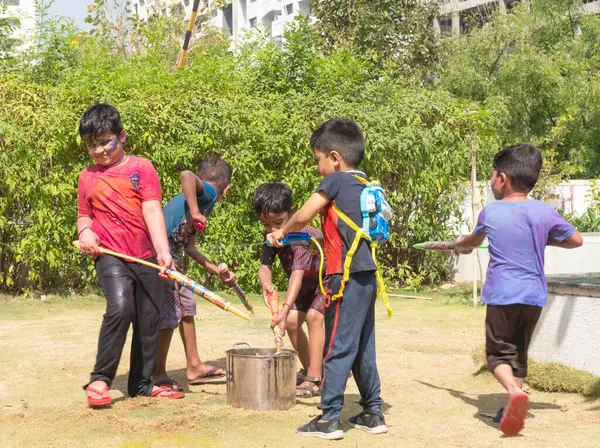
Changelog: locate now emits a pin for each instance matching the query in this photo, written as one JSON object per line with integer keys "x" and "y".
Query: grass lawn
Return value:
{"x": 429, "y": 383}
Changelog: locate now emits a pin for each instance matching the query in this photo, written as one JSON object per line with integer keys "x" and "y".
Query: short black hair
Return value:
{"x": 272, "y": 197}
{"x": 215, "y": 170}
{"x": 100, "y": 119}
{"x": 521, "y": 164}
{"x": 343, "y": 136}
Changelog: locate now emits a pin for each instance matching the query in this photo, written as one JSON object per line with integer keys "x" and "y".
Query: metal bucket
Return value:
{"x": 260, "y": 379}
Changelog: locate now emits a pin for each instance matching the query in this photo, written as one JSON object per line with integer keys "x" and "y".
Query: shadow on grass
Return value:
{"x": 487, "y": 404}
{"x": 179, "y": 375}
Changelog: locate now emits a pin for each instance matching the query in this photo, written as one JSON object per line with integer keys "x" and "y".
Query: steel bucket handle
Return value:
{"x": 235, "y": 344}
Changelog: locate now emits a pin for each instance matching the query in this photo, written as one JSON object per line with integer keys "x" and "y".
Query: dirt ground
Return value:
{"x": 433, "y": 396}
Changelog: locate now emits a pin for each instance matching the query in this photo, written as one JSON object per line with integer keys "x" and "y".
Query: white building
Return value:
{"x": 238, "y": 16}
{"x": 454, "y": 12}
{"x": 24, "y": 11}
{"x": 273, "y": 14}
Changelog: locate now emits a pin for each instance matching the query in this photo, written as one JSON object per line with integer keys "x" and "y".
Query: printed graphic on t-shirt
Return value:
{"x": 135, "y": 180}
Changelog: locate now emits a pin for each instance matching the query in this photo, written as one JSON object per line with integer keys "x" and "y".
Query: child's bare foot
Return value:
{"x": 203, "y": 373}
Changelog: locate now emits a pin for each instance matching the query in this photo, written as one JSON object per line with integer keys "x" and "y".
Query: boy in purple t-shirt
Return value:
{"x": 518, "y": 230}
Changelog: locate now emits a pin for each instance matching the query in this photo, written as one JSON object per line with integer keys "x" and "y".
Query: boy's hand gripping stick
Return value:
{"x": 273, "y": 297}
{"x": 224, "y": 270}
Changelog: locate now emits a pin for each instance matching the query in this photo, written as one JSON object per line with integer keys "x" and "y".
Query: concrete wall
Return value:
{"x": 569, "y": 328}
{"x": 584, "y": 259}
{"x": 570, "y": 197}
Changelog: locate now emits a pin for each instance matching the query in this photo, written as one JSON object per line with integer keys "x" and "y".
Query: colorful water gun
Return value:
{"x": 305, "y": 239}
{"x": 441, "y": 245}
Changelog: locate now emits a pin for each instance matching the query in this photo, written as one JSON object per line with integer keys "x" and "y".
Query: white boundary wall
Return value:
{"x": 569, "y": 197}
{"x": 568, "y": 330}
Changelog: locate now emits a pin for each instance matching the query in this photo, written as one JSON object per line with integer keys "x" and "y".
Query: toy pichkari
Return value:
{"x": 440, "y": 245}
{"x": 223, "y": 270}
{"x": 182, "y": 279}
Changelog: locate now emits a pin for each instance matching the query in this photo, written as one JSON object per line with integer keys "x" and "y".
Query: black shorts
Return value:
{"x": 508, "y": 332}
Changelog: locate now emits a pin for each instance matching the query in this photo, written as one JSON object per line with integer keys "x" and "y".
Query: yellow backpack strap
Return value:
{"x": 380, "y": 283}
{"x": 360, "y": 233}
{"x": 362, "y": 180}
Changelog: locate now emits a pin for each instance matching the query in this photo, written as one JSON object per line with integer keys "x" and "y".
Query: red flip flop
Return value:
{"x": 166, "y": 392}
{"x": 513, "y": 419}
{"x": 101, "y": 402}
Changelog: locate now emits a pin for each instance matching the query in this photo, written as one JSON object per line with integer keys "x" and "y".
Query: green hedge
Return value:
{"x": 256, "y": 108}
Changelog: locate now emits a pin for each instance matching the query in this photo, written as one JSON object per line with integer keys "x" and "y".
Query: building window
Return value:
{"x": 252, "y": 22}
{"x": 186, "y": 2}
{"x": 142, "y": 2}
{"x": 215, "y": 13}
{"x": 289, "y": 9}
{"x": 10, "y": 2}
{"x": 136, "y": 8}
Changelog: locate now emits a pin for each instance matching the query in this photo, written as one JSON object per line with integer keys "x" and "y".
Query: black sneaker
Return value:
{"x": 372, "y": 423}
{"x": 331, "y": 430}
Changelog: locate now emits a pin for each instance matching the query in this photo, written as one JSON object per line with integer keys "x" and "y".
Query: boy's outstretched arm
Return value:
{"x": 192, "y": 187}
{"x": 575, "y": 240}
{"x": 301, "y": 218}
{"x": 155, "y": 223}
{"x": 194, "y": 254}
{"x": 467, "y": 243}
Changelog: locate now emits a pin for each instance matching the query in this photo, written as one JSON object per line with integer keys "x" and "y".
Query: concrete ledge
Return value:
{"x": 569, "y": 328}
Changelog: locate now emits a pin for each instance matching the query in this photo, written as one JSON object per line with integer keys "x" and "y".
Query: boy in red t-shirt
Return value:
{"x": 119, "y": 209}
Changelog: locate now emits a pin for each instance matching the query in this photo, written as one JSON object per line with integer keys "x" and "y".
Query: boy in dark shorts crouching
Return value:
{"x": 303, "y": 301}
{"x": 518, "y": 230}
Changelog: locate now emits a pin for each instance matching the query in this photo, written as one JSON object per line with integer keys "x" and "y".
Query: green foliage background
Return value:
{"x": 536, "y": 69}
{"x": 255, "y": 106}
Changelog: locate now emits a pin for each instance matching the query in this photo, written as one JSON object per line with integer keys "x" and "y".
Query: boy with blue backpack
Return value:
{"x": 338, "y": 146}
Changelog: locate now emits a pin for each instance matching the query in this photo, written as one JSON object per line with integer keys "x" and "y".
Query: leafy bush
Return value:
{"x": 536, "y": 70}
{"x": 588, "y": 222}
{"x": 256, "y": 107}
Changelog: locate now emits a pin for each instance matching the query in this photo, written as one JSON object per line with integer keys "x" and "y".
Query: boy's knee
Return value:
{"x": 313, "y": 317}
{"x": 292, "y": 323}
